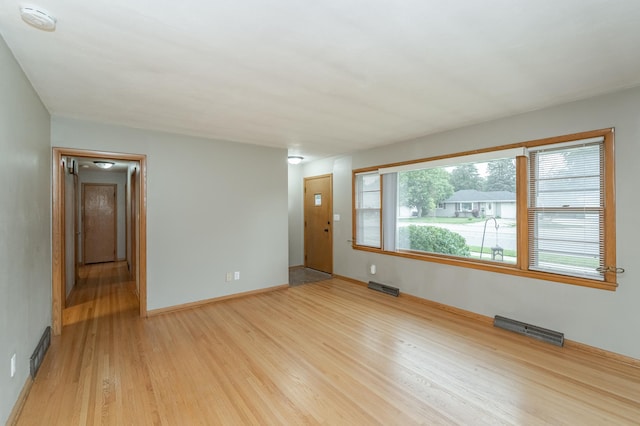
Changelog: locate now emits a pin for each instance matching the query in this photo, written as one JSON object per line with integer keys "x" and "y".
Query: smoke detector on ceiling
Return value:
{"x": 38, "y": 18}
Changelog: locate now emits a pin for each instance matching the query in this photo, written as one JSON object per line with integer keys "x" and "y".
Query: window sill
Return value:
{"x": 492, "y": 266}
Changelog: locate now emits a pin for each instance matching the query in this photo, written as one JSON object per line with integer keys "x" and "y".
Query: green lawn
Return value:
{"x": 585, "y": 262}
{"x": 558, "y": 259}
{"x": 487, "y": 250}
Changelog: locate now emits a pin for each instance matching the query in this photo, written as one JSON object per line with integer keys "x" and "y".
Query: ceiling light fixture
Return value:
{"x": 294, "y": 159}
{"x": 38, "y": 18}
{"x": 104, "y": 164}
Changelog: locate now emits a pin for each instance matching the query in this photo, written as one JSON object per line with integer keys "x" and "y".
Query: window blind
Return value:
{"x": 368, "y": 203}
{"x": 566, "y": 208}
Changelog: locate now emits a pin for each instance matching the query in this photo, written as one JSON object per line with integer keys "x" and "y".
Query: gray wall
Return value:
{"x": 608, "y": 320}
{"x": 213, "y": 207}
{"x": 25, "y": 219}
{"x": 118, "y": 178}
{"x": 296, "y": 222}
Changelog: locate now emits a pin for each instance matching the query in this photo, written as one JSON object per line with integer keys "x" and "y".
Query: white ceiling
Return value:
{"x": 322, "y": 77}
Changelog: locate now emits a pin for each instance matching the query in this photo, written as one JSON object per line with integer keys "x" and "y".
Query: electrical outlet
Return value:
{"x": 236, "y": 275}
{"x": 13, "y": 365}
{"x": 229, "y": 277}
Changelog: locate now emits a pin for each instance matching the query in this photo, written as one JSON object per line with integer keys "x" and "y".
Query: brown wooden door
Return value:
{"x": 318, "y": 231}
{"x": 99, "y": 222}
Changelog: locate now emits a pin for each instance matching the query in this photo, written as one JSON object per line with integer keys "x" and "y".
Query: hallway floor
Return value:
{"x": 102, "y": 289}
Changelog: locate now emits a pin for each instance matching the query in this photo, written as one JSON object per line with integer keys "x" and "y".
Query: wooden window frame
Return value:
{"x": 522, "y": 205}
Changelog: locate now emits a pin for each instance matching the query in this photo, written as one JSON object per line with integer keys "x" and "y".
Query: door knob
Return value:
{"x": 326, "y": 230}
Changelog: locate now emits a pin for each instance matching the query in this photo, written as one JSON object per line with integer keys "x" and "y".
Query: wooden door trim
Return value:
{"x": 76, "y": 228}
{"x": 115, "y": 220}
{"x": 76, "y": 236}
{"x": 304, "y": 215}
{"x": 58, "y": 227}
{"x": 133, "y": 223}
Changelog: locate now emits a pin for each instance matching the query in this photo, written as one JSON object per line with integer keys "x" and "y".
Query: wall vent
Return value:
{"x": 38, "y": 354}
{"x": 549, "y": 336}
{"x": 384, "y": 288}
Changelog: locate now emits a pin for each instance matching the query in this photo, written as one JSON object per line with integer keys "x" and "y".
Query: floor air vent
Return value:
{"x": 384, "y": 288}
{"x": 41, "y": 349}
{"x": 549, "y": 336}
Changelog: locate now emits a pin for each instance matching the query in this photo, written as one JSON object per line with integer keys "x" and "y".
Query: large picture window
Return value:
{"x": 543, "y": 209}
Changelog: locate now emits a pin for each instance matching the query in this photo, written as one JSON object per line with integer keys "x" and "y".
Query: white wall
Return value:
{"x": 118, "y": 178}
{"x": 25, "y": 220}
{"x": 213, "y": 207}
{"x": 600, "y": 318}
{"x": 296, "y": 216}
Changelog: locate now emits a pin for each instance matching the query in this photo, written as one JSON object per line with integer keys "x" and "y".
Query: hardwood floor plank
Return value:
{"x": 330, "y": 352}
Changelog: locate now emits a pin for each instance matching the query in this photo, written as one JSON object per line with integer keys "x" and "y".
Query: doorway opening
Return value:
{"x": 68, "y": 236}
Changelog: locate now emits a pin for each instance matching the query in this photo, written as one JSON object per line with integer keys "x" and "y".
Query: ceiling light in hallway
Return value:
{"x": 295, "y": 159}
{"x": 104, "y": 164}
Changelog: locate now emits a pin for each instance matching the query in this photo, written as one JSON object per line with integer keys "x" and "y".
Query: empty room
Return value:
{"x": 335, "y": 212}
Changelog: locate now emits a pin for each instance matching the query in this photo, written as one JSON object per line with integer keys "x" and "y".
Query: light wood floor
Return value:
{"x": 330, "y": 352}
